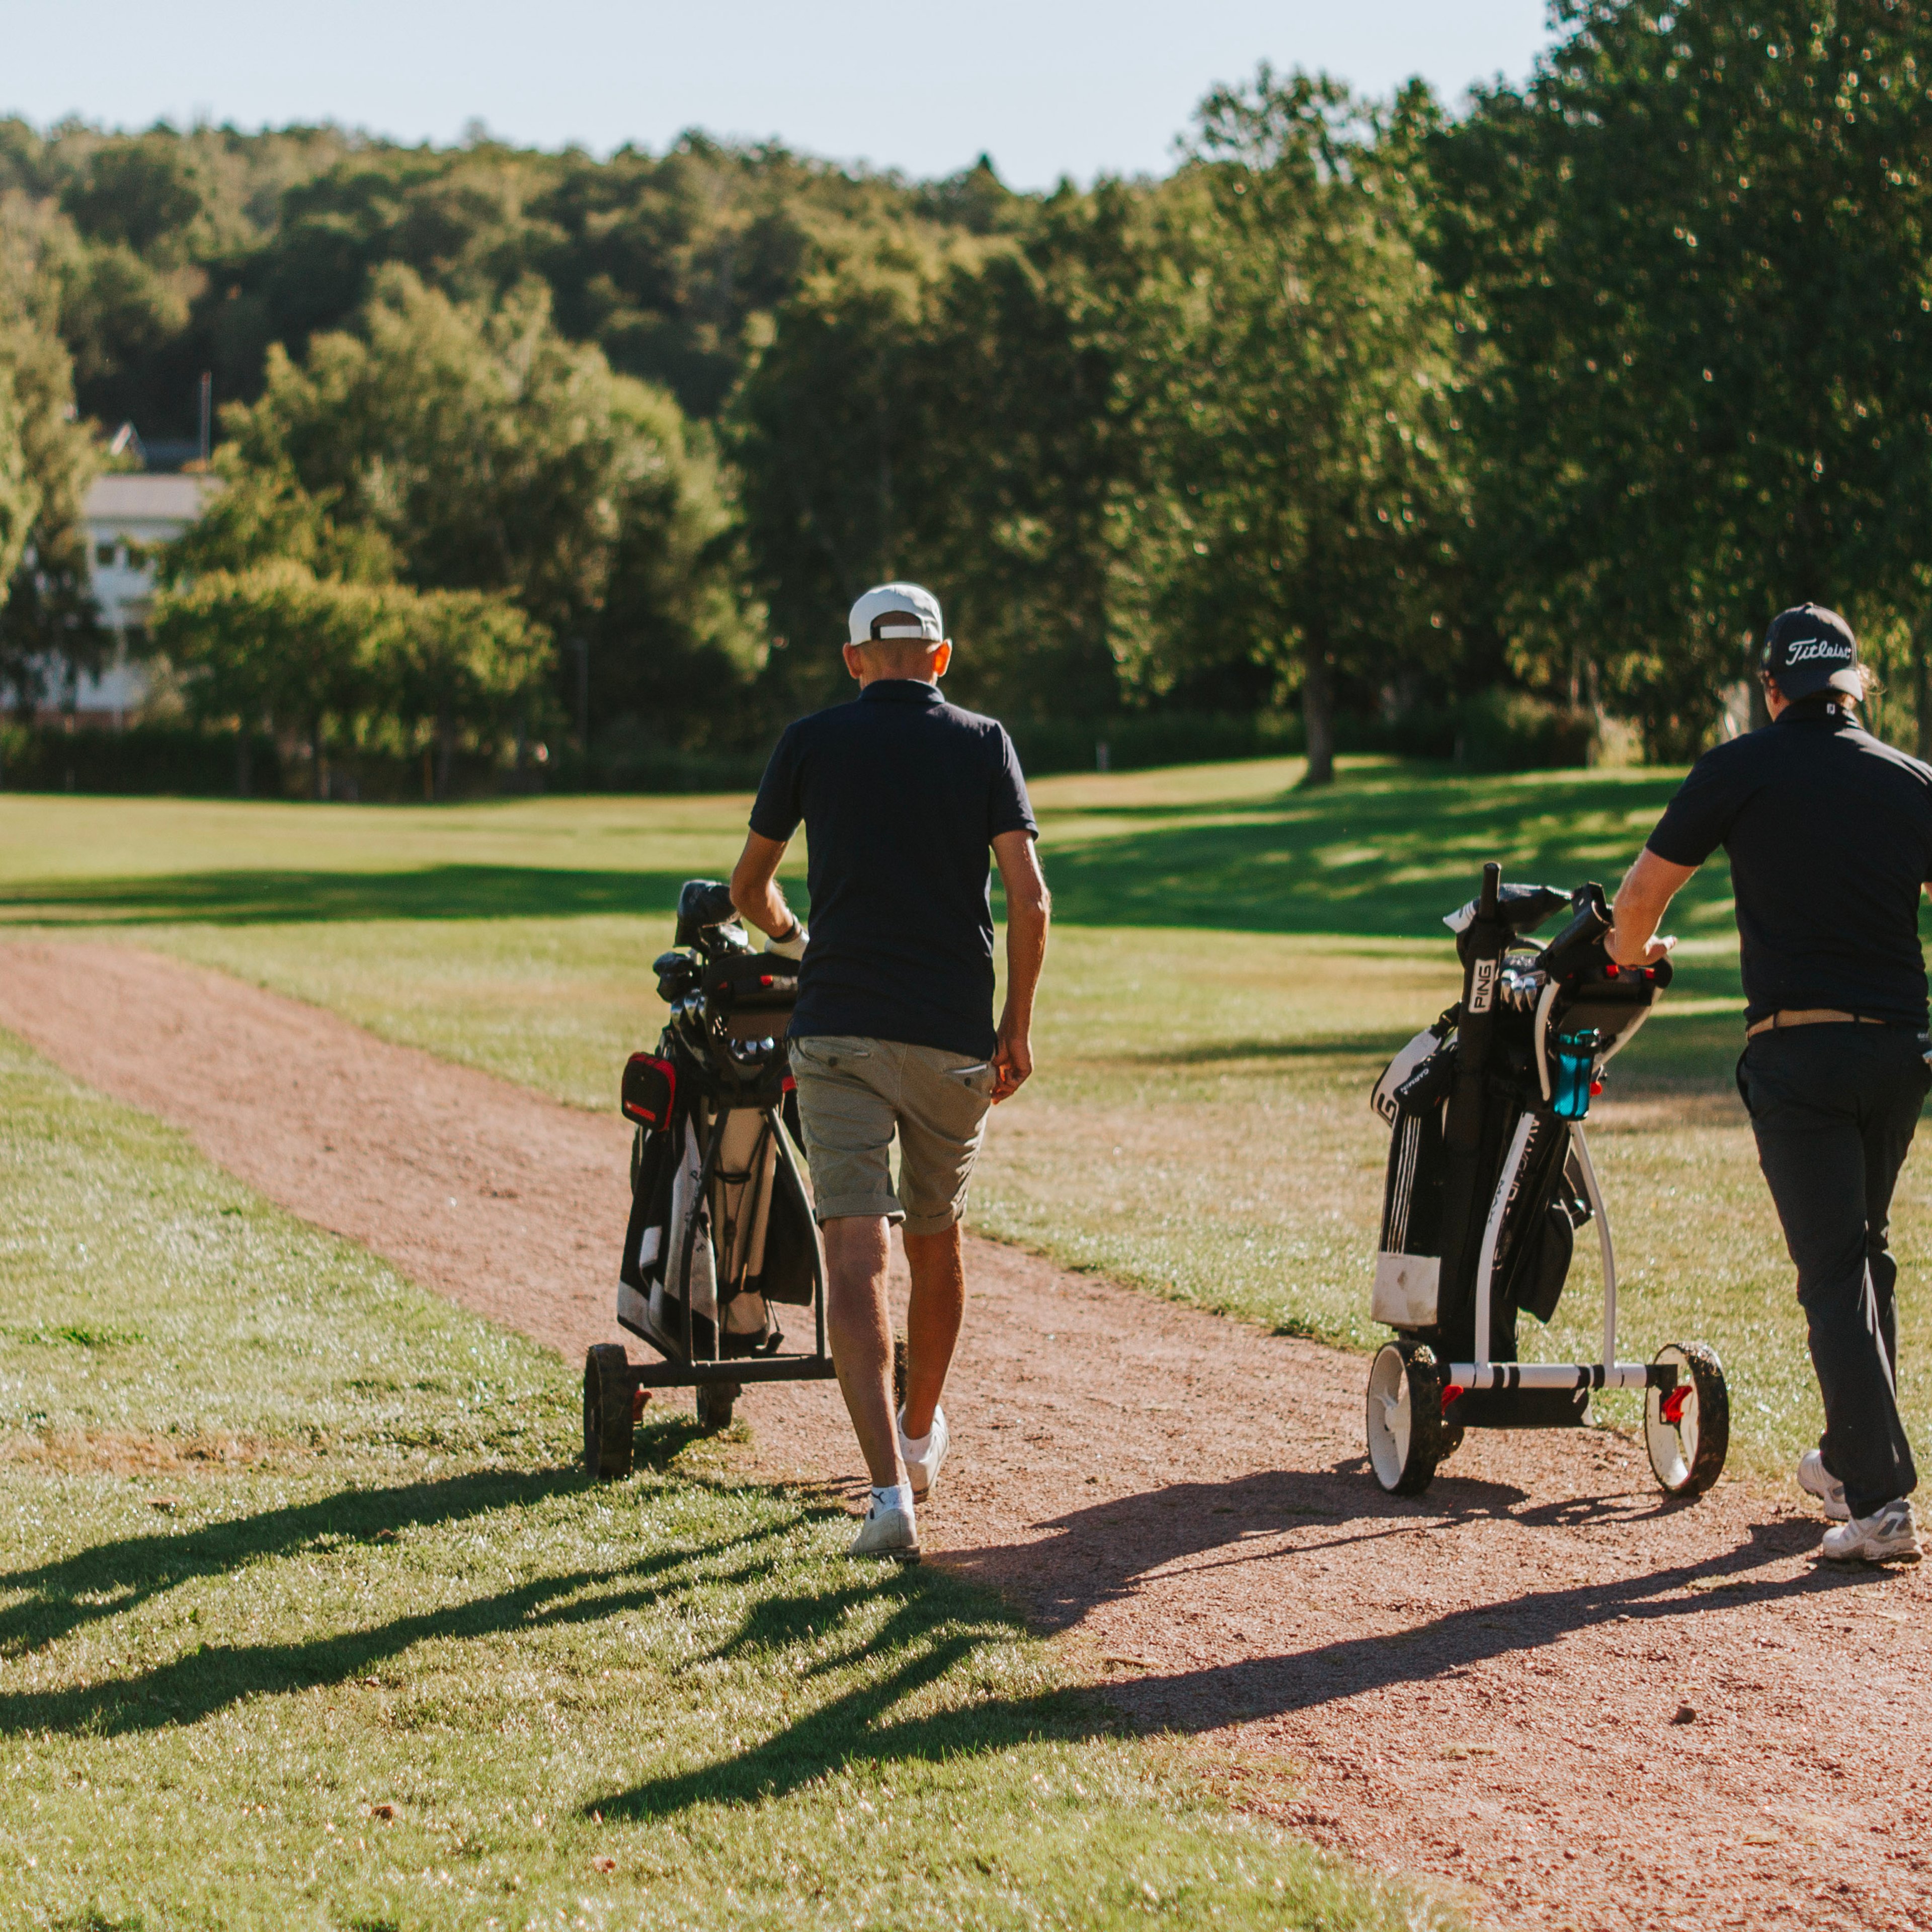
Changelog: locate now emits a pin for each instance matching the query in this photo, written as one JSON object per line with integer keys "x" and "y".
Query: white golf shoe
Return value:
{"x": 922, "y": 1458}
{"x": 888, "y": 1534}
{"x": 1887, "y": 1535}
{"x": 1815, "y": 1480}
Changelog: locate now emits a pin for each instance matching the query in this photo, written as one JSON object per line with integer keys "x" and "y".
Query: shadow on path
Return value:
{"x": 1114, "y": 1552}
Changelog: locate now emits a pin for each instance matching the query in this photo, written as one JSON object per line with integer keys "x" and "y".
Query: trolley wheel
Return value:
{"x": 609, "y": 1406}
{"x": 1688, "y": 1430}
{"x": 714, "y": 1405}
{"x": 898, "y": 1371}
{"x": 1405, "y": 1420}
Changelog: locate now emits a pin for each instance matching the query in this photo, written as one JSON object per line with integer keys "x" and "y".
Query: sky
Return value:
{"x": 1048, "y": 87}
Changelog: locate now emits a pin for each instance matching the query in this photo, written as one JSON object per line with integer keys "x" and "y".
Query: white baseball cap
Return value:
{"x": 889, "y": 612}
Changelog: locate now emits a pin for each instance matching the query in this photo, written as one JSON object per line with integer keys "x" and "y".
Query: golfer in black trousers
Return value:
{"x": 1830, "y": 837}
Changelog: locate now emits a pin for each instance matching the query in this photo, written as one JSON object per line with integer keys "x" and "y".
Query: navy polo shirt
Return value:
{"x": 1829, "y": 833}
{"x": 901, "y": 794}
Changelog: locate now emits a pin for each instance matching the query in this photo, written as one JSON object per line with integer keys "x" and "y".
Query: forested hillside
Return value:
{"x": 1367, "y": 411}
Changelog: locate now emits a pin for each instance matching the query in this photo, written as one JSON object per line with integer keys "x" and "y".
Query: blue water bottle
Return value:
{"x": 1575, "y": 1058}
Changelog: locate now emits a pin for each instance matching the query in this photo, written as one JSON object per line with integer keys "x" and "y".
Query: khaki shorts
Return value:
{"x": 853, "y": 1094}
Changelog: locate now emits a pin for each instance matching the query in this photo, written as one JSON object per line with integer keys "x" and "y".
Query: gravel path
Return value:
{"x": 1538, "y": 1682}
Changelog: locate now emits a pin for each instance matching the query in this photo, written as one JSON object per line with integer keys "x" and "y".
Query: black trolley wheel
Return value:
{"x": 714, "y": 1405}
{"x": 1688, "y": 1430}
{"x": 609, "y": 1432}
{"x": 1404, "y": 1422}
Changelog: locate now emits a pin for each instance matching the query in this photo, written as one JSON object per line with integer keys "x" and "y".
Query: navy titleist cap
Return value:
{"x": 1809, "y": 649}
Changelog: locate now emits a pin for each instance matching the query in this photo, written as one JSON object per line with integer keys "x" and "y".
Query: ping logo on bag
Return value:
{"x": 1382, "y": 1100}
{"x": 1483, "y": 991}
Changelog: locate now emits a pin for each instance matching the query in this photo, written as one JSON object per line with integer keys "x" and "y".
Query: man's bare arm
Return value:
{"x": 1648, "y": 889}
{"x": 754, "y": 885}
{"x": 1029, "y": 908}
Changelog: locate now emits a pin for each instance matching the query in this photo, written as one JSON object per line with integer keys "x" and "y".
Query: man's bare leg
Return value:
{"x": 934, "y": 1314}
{"x": 858, "y": 1324}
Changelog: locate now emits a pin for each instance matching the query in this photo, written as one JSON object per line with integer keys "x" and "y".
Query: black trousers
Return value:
{"x": 1835, "y": 1107}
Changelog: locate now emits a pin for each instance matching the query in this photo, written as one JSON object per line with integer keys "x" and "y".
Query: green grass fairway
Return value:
{"x": 307, "y": 1619}
{"x": 1235, "y": 958}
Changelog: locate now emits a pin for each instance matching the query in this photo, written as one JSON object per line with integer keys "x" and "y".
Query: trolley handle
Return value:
{"x": 1580, "y": 943}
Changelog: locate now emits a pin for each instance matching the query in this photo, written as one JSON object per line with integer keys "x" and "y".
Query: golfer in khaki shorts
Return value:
{"x": 902, "y": 796}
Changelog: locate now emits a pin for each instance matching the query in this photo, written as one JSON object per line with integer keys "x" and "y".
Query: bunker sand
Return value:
{"x": 1538, "y": 1682}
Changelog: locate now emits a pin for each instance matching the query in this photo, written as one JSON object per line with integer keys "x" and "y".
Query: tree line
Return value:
{"x": 1366, "y": 408}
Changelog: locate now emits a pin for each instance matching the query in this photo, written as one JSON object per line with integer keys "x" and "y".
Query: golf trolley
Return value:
{"x": 1489, "y": 1180}
{"x": 721, "y": 1229}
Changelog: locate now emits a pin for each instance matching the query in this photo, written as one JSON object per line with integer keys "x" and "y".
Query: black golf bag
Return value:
{"x": 1489, "y": 1179}
{"x": 1485, "y": 1176}
{"x": 721, "y": 1229}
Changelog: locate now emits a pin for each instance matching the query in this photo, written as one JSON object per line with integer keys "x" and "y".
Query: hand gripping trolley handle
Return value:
{"x": 721, "y": 1229}
{"x": 1489, "y": 1180}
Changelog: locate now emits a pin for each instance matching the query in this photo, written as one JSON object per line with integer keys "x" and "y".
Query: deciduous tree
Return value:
{"x": 471, "y": 448}
{"x": 1699, "y": 236}
{"x": 1299, "y": 369}
{"x": 49, "y": 626}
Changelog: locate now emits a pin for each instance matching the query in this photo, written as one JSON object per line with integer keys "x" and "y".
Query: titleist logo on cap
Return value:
{"x": 1816, "y": 647}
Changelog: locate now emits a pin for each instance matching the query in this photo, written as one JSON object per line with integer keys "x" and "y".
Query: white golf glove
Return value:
{"x": 793, "y": 948}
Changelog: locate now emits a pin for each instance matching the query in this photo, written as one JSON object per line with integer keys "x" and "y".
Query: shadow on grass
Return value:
{"x": 213, "y": 1676}
{"x": 297, "y": 898}
{"x": 1379, "y": 854}
{"x": 938, "y": 1626}
{"x": 107, "y": 1579}
{"x": 1382, "y": 853}
{"x": 1374, "y": 1046}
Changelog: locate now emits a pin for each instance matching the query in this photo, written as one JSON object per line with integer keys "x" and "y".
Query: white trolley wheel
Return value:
{"x": 1688, "y": 1431}
{"x": 1404, "y": 1420}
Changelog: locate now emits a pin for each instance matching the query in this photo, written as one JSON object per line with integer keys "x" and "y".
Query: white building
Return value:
{"x": 128, "y": 518}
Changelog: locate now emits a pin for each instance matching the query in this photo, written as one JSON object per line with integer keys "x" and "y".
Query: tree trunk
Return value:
{"x": 318, "y": 769}
{"x": 244, "y": 763}
{"x": 1318, "y": 711}
{"x": 445, "y": 751}
{"x": 1921, "y": 691}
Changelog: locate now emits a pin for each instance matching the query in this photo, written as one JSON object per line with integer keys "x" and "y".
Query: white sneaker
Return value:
{"x": 922, "y": 1460}
{"x": 1888, "y": 1535}
{"x": 890, "y": 1535}
{"x": 1815, "y": 1480}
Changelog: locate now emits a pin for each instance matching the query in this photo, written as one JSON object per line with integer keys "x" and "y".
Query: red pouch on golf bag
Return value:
{"x": 649, "y": 1089}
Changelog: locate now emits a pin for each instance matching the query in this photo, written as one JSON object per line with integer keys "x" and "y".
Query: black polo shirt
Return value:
{"x": 901, "y": 795}
{"x": 1830, "y": 837}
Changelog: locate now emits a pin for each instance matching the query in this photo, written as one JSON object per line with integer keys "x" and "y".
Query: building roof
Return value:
{"x": 171, "y": 498}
